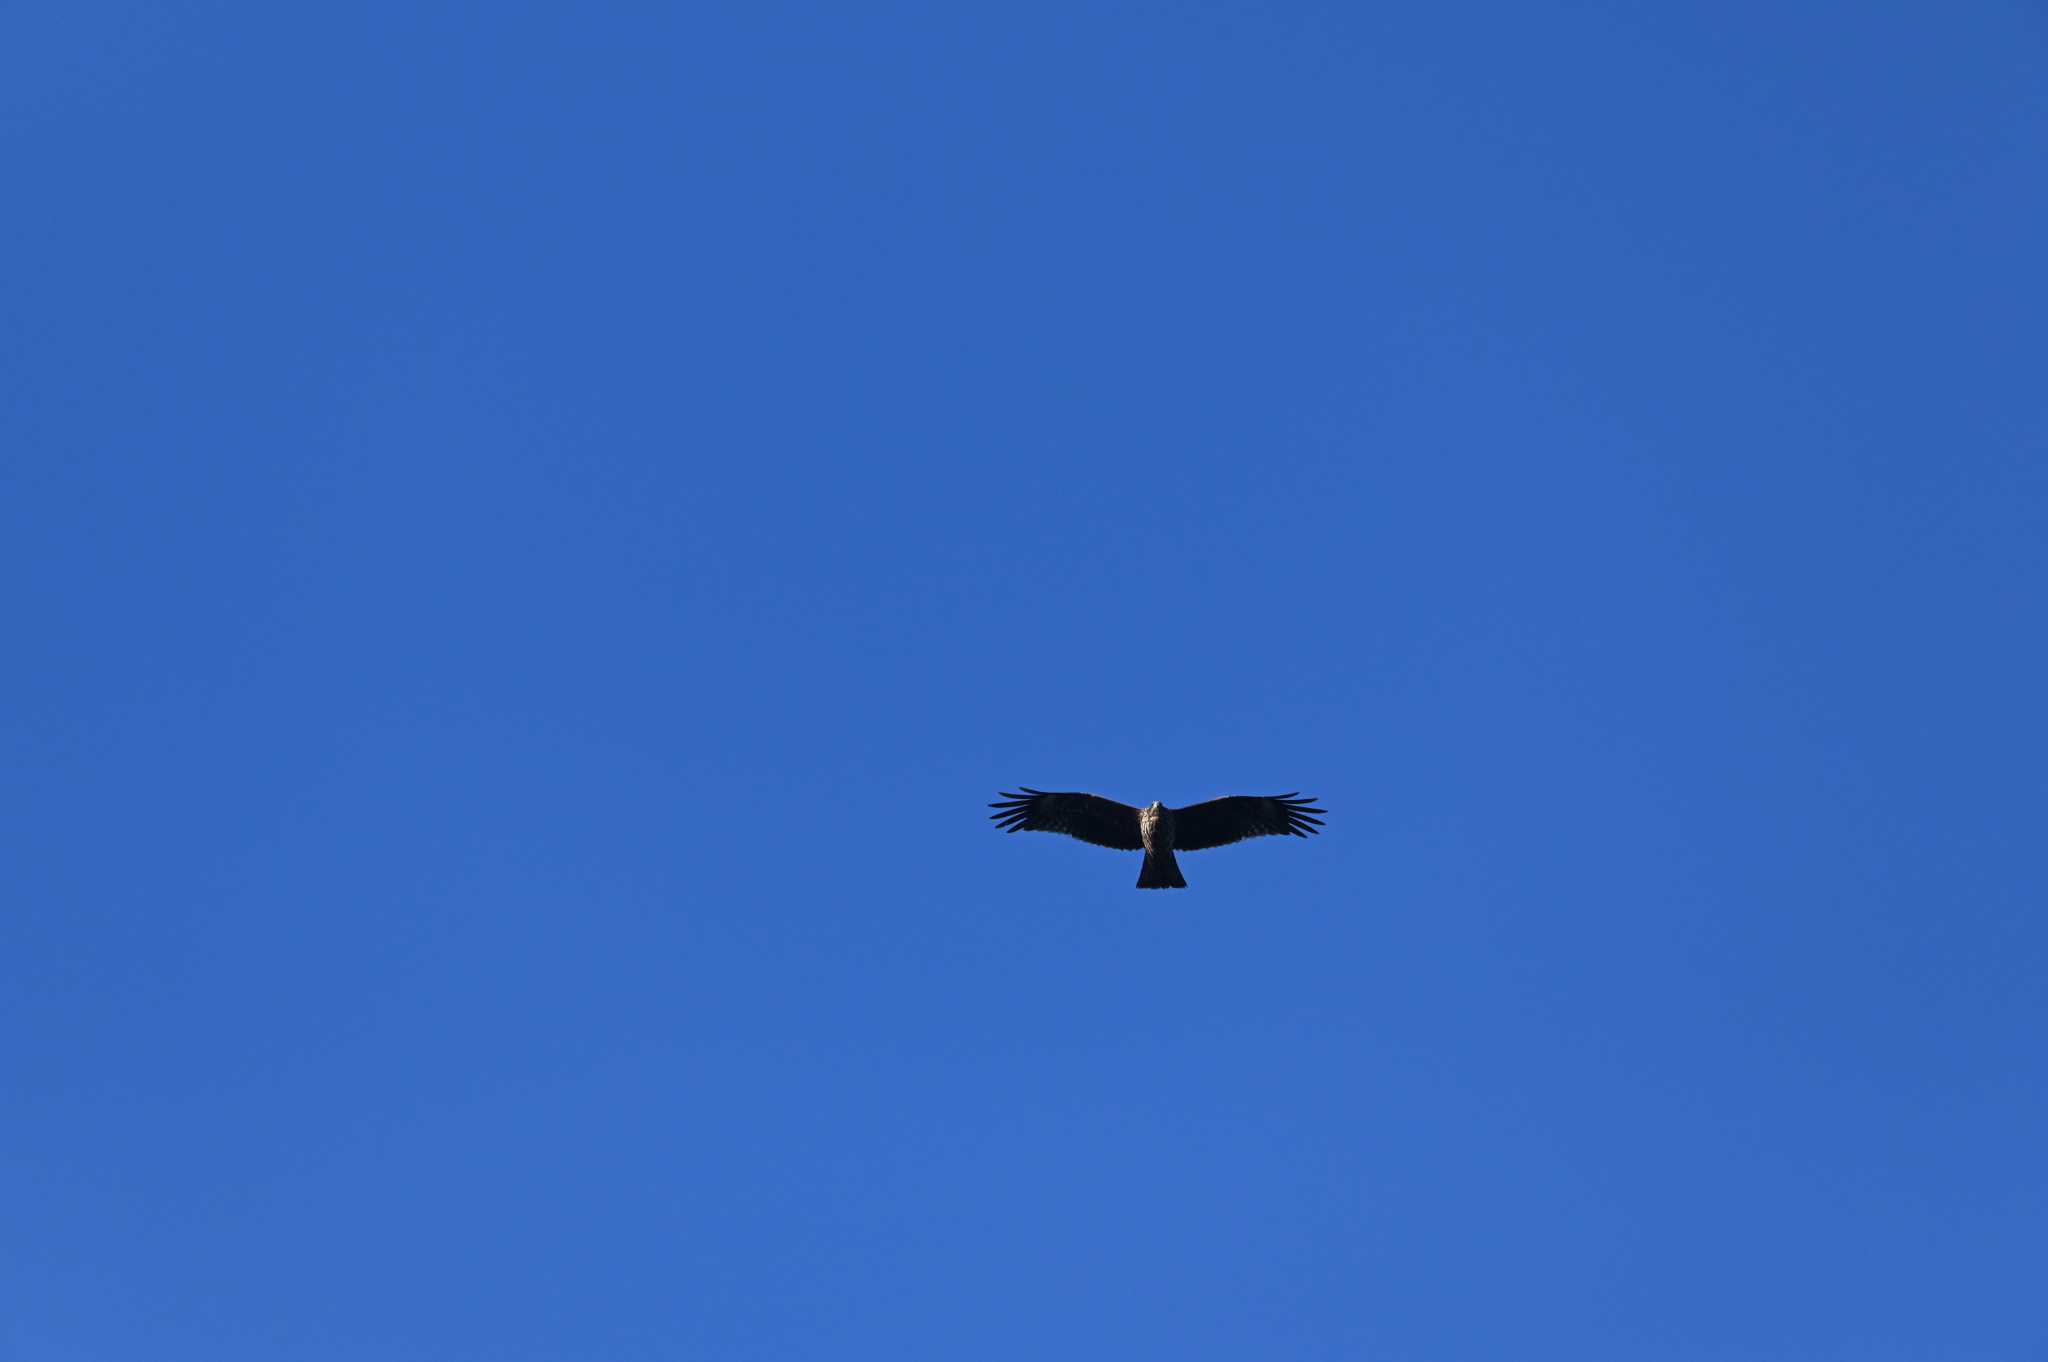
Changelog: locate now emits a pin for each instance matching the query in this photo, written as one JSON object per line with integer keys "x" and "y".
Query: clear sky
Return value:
{"x": 531, "y": 533}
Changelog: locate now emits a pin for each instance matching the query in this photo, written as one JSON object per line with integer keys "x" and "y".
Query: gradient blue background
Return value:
{"x": 532, "y": 532}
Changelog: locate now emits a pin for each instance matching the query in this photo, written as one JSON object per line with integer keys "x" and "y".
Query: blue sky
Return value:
{"x": 532, "y": 533}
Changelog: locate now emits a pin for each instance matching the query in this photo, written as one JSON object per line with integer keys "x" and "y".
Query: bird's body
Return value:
{"x": 1155, "y": 829}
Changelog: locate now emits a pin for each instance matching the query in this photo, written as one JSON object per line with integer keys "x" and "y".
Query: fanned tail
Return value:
{"x": 1160, "y": 871}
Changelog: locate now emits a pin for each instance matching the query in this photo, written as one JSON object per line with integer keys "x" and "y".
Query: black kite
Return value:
{"x": 1157, "y": 830}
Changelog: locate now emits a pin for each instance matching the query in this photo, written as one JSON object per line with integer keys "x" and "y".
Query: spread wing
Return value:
{"x": 1088, "y": 817}
{"x": 1236, "y": 817}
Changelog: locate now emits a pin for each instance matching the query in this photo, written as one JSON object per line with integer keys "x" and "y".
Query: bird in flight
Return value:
{"x": 1157, "y": 830}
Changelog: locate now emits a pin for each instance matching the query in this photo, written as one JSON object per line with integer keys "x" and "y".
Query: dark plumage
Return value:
{"x": 1157, "y": 830}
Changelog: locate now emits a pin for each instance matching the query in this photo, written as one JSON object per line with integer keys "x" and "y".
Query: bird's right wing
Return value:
{"x": 1089, "y": 817}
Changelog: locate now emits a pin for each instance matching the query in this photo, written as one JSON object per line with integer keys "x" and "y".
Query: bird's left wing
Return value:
{"x": 1089, "y": 817}
{"x": 1219, "y": 822}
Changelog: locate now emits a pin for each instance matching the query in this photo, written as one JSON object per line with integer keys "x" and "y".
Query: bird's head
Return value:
{"x": 1155, "y": 807}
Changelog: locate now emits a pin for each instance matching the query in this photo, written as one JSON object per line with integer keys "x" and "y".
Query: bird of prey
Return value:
{"x": 1157, "y": 830}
